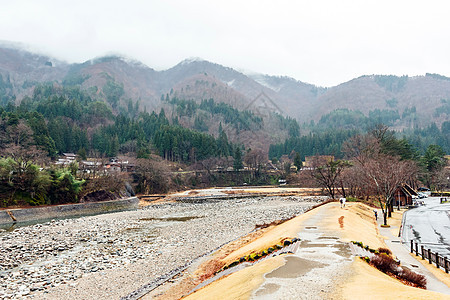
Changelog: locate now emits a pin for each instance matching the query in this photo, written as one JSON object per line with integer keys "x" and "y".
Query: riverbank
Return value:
{"x": 112, "y": 255}
{"x": 327, "y": 228}
{"x": 34, "y": 214}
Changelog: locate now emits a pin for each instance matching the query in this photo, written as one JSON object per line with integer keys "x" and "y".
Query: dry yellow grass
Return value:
{"x": 355, "y": 222}
{"x": 239, "y": 285}
{"x": 369, "y": 283}
{"x": 358, "y": 224}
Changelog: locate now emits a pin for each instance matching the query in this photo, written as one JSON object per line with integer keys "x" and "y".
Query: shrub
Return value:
{"x": 384, "y": 250}
{"x": 414, "y": 278}
{"x": 384, "y": 263}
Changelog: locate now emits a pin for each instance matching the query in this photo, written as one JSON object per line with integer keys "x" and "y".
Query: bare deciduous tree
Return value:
{"x": 386, "y": 174}
{"x": 376, "y": 173}
{"x": 442, "y": 180}
{"x": 255, "y": 160}
{"x": 327, "y": 173}
{"x": 152, "y": 176}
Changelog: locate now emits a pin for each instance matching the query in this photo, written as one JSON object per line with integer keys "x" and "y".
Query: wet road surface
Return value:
{"x": 429, "y": 225}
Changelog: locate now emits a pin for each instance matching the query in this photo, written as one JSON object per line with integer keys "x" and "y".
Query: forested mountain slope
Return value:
{"x": 419, "y": 101}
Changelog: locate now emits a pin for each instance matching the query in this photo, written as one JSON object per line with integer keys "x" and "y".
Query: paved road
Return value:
{"x": 429, "y": 225}
{"x": 401, "y": 251}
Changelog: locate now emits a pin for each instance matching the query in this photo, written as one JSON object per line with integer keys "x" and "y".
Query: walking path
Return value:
{"x": 311, "y": 272}
{"x": 322, "y": 267}
{"x": 401, "y": 251}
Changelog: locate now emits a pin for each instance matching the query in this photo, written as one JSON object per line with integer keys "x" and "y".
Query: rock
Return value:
{"x": 101, "y": 243}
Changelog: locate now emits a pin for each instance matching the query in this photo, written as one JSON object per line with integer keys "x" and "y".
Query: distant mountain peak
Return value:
{"x": 191, "y": 60}
{"x": 117, "y": 57}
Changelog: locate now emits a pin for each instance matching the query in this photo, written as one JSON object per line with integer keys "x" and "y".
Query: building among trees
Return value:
{"x": 404, "y": 194}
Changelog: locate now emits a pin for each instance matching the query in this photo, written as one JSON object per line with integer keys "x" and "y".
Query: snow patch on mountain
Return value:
{"x": 190, "y": 60}
{"x": 230, "y": 83}
{"x": 263, "y": 80}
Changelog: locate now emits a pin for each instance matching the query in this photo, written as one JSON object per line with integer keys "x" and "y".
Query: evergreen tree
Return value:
{"x": 298, "y": 161}
{"x": 237, "y": 163}
{"x": 223, "y": 146}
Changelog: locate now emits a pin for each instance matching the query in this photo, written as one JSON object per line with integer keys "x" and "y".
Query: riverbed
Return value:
{"x": 111, "y": 255}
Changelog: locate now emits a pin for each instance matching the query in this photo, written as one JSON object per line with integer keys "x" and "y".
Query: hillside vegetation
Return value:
{"x": 405, "y": 102}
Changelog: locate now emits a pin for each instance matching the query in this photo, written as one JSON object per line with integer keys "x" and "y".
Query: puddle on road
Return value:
{"x": 343, "y": 250}
{"x": 294, "y": 267}
{"x": 171, "y": 219}
{"x": 267, "y": 289}
{"x": 328, "y": 238}
{"x": 307, "y": 244}
{"x": 310, "y": 227}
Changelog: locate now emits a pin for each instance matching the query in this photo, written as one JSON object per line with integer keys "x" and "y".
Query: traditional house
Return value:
{"x": 88, "y": 167}
{"x": 112, "y": 167}
{"x": 67, "y": 159}
{"x": 404, "y": 194}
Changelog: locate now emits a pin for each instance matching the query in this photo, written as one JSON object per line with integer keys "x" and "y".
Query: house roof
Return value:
{"x": 408, "y": 190}
{"x": 69, "y": 154}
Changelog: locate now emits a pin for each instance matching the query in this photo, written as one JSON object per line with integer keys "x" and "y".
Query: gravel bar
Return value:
{"x": 109, "y": 256}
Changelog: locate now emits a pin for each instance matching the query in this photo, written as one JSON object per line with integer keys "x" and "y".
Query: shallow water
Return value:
{"x": 267, "y": 289}
{"x": 10, "y": 227}
{"x": 294, "y": 267}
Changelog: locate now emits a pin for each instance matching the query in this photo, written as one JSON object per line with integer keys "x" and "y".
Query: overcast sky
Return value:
{"x": 323, "y": 42}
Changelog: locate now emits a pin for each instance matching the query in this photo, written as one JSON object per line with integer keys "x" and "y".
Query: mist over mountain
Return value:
{"x": 418, "y": 101}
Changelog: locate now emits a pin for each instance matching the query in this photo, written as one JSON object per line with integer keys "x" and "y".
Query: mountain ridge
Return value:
{"x": 195, "y": 78}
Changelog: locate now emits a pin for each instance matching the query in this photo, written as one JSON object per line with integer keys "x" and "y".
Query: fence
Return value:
{"x": 440, "y": 261}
